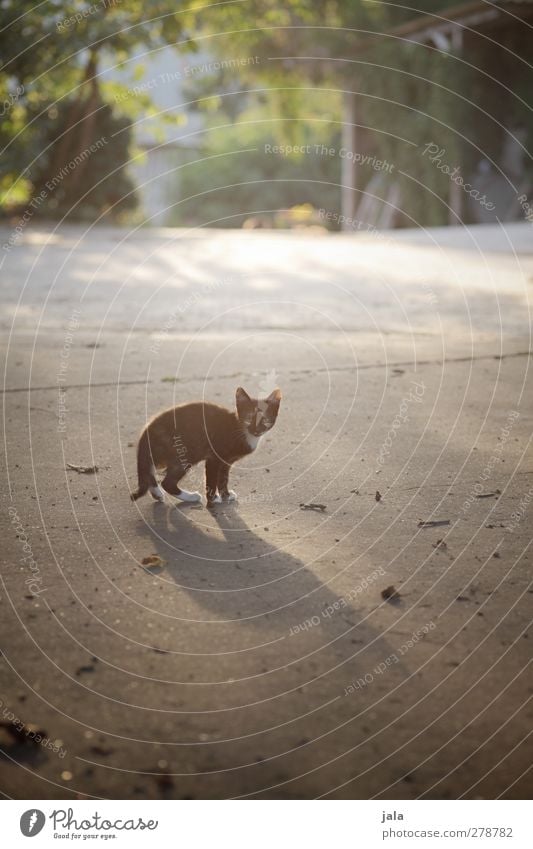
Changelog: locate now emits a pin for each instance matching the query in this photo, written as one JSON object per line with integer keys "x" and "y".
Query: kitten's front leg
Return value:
{"x": 223, "y": 477}
{"x": 212, "y": 467}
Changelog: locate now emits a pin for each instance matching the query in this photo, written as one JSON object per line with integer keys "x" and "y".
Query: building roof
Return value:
{"x": 438, "y": 26}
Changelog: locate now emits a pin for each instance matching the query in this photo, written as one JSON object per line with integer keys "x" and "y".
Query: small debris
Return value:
{"x": 434, "y": 523}
{"x": 152, "y": 560}
{"x": 165, "y": 783}
{"x": 488, "y": 494}
{"x": 354, "y": 491}
{"x": 312, "y": 506}
{"x": 101, "y": 751}
{"x": 94, "y": 345}
{"x": 377, "y": 495}
{"x": 390, "y": 594}
{"x": 83, "y": 669}
{"x": 441, "y": 544}
{"x": 83, "y": 470}
{"x": 462, "y": 598}
{"x": 496, "y": 554}
{"x": 398, "y": 371}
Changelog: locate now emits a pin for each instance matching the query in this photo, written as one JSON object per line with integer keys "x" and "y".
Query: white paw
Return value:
{"x": 231, "y": 496}
{"x": 193, "y": 497}
{"x": 157, "y": 492}
{"x": 216, "y": 500}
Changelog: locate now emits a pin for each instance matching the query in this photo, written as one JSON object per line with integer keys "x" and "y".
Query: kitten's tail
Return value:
{"x": 145, "y": 467}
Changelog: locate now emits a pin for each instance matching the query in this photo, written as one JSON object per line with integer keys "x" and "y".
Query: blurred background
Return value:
{"x": 369, "y": 114}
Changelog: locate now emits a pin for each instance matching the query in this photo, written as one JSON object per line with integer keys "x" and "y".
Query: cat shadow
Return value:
{"x": 233, "y": 573}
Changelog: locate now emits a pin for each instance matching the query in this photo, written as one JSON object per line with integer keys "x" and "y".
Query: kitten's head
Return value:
{"x": 257, "y": 415}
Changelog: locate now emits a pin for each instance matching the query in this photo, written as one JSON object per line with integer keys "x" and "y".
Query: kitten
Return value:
{"x": 185, "y": 435}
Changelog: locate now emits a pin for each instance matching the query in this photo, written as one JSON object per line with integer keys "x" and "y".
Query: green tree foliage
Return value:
{"x": 305, "y": 48}
{"x": 309, "y": 52}
{"x": 51, "y": 54}
{"x": 257, "y": 166}
{"x": 409, "y": 94}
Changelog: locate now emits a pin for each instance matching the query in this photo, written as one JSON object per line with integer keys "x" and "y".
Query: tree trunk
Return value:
{"x": 79, "y": 124}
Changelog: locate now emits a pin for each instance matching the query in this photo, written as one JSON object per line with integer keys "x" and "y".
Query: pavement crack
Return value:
{"x": 289, "y": 372}
{"x": 75, "y": 386}
{"x": 360, "y": 367}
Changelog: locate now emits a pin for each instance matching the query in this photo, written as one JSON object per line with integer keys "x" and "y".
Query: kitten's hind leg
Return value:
{"x": 211, "y": 481}
{"x": 155, "y": 490}
{"x": 223, "y": 477}
{"x": 170, "y": 484}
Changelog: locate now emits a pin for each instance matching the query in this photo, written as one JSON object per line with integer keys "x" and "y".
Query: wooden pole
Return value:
{"x": 456, "y": 193}
{"x": 348, "y": 175}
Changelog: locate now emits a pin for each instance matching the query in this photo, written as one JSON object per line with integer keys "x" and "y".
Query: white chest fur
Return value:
{"x": 252, "y": 441}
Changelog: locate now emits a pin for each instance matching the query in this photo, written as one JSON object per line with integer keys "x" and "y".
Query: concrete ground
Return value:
{"x": 259, "y": 658}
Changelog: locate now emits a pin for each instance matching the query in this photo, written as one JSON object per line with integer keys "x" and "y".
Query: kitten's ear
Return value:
{"x": 274, "y": 397}
{"x": 242, "y": 397}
